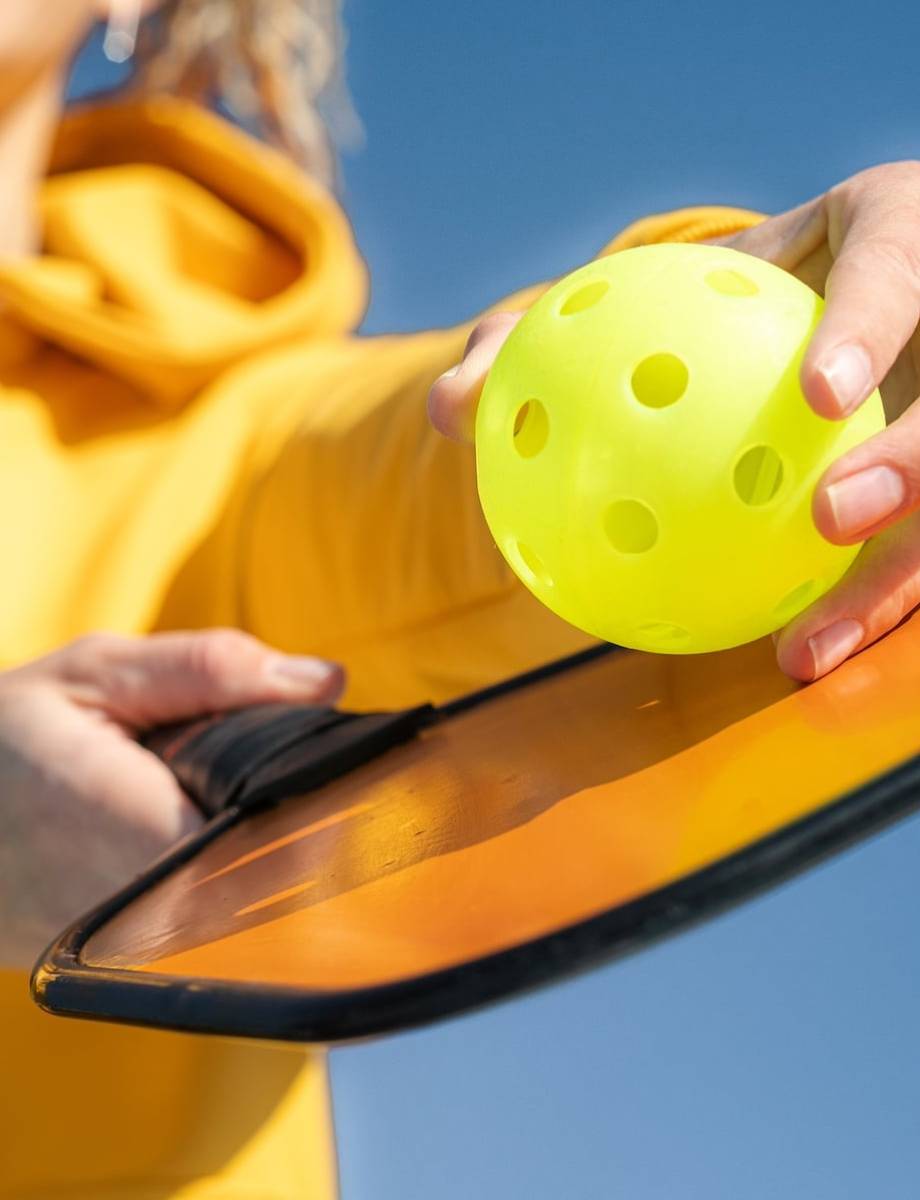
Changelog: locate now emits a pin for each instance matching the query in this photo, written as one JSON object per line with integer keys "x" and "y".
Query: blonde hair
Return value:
{"x": 276, "y": 65}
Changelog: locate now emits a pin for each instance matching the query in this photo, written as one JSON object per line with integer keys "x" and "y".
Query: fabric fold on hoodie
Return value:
{"x": 175, "y": 246}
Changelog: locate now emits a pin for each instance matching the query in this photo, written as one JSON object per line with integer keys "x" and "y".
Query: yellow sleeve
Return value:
{"x": 684, "y": 225}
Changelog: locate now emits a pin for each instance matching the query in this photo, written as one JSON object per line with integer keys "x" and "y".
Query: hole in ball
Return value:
{"x": 660, "y": 380}
{"x": 793, "y": 603}
{"x": 631, "y": 526}
{"x": 584, "y": 297}
{"x": 531, "y": 428}
{"x": 732, "y": 283}
{"x": 529, "y": 565}
{"x": 664, "y": 633}
{"x": 758, "y": 475}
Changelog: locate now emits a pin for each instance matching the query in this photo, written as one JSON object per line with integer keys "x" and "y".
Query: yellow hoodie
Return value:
{"x": 190, "y": 436}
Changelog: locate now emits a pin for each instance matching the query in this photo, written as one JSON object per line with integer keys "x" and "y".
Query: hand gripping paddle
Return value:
{"x": 364, "y": 873}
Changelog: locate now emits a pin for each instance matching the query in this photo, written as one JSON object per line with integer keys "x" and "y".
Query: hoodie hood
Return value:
{"x": 175, "y": 245}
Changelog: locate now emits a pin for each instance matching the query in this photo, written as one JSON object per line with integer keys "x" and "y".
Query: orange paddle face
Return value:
{"x": 533, "y": 832}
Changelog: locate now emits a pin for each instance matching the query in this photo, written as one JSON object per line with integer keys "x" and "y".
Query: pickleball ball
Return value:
{"x": 646, "y": 458}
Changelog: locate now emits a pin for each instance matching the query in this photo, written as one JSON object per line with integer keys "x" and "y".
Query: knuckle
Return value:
{"x": 217, "y": 652}
{"x": 96, "y": 660}
{"x": 97, "y": 645}
{"x": 888, "y": 194}
{"x": 889, "y": 610}
{"x": 492, "y": 325}
{"x": 905, "y": 173}
{"x": 895, "y": 589}
{"x": 495, "y": 321}
{"x": 907, "y": 466}
{"x": 899, "y": 256}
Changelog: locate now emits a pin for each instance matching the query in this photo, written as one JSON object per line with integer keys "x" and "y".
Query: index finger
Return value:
{"x": 872, "y": 290}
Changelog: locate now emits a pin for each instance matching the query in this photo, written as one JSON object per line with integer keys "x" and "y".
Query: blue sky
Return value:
{"x": 774, "y": 1052}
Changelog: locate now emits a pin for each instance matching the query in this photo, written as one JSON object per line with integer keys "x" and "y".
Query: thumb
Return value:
{"x": 454, "y": 395}
{"x": 147, "y": 681}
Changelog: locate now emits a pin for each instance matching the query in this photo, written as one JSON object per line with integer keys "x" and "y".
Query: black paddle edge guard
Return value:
{"x": 63, "y": 985}
{"x": 560, "y": 665}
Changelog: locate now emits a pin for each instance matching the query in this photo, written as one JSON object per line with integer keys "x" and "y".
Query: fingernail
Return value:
{"x": 864, "y": 499}
{"x": 847, "y": 372}
{"x": 449, "y": 374}
{"x": 303, "y": 671}
{"x": 832, "y": 645}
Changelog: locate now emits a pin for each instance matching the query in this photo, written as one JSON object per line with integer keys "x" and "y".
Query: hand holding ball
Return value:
{"x": 646, "y": 458}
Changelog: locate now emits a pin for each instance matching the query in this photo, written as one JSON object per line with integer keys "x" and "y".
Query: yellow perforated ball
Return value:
{"x": 646, "y": 458}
